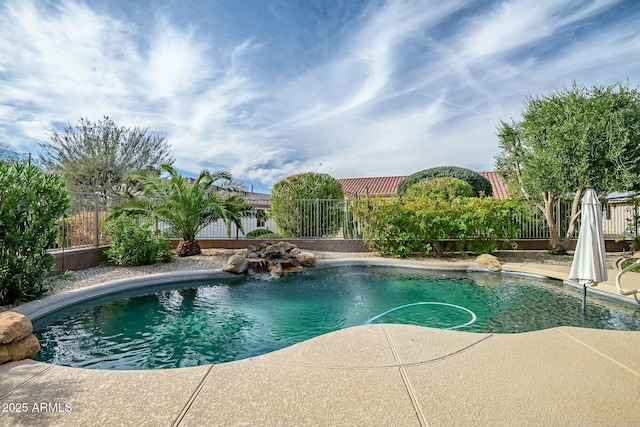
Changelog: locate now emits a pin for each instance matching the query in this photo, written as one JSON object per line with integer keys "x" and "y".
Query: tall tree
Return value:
{"x": 96, "y": 156}
{"x": 187, "y": 206}
{"x": 568, "y": 141}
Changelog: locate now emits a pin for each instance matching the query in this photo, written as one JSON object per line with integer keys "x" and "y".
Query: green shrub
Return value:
{"x": 31, "y": 202}
{"x": 488, "y": 221}
{"x": 480, "y": 184}
{"x": 270, "y": 236}
{"x": 390, "y": 228}
{"x": 445, "y": 188}
{"x": 258, "y": 232}
{"x": 399, "y": 227}
{"x": 300, "y": 205}
{"x": 627, "y": 262}
{"x": 134, "y": 244}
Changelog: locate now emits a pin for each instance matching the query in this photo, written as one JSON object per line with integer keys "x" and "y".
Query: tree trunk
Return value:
{"x": 575, "y": 214}
{"x": 556, "y": 244}
{"x": 188, "y": 248}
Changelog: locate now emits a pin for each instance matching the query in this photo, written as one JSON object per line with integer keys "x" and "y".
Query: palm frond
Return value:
{"x": 187, "y": 208}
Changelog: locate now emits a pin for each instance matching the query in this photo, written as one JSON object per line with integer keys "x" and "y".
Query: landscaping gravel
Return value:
{"x": 217, "y": 258}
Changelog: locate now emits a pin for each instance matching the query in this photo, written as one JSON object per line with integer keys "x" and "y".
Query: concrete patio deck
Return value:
{"x": 373, "y": 375}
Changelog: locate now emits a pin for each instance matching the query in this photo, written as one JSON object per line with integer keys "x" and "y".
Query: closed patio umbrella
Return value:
{"x": 589, "y": 266}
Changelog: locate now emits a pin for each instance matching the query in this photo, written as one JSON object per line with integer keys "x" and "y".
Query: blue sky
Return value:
{"x": 266, "y": 89}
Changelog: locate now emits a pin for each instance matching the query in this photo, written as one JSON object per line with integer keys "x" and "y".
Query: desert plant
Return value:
{"x": 7, "y": 155}
{"x": 352, "y": 227}
{"x": 136, "y": 244}
{"x": 31, "y": 203}
{"x": 186, "y": 207}
{"x": 96, "y": 156}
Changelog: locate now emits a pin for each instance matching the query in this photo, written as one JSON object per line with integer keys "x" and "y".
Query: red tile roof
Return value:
{"x": 376, "y": 186}
{"x": 497, "y": 185}
{"x": 387, "y": 186}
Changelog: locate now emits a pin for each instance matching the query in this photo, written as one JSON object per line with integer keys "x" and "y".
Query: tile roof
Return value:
{"x": 375, "y": 186}
{"x": 497, "y": 184}
{"x": 257, "y": 200}
{"x": 388, "y": 185}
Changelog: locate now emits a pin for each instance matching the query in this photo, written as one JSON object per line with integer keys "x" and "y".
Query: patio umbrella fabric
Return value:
{"x": 589, "y": 265}
{"x": 589, "y": 260}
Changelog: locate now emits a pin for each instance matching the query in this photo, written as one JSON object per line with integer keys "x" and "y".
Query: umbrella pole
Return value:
{"x": 584, "y": 297}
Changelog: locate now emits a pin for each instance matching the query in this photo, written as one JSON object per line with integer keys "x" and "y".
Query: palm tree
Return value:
{"x": 187, "y": 207}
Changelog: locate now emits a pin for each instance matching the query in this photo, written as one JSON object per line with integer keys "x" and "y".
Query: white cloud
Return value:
{"x": 70, "y": 62}
{"x": 62, "y": 62}
{"x": 176, "y": 63}
{"x": 405, "y": 86}
{"x": 519, "y": 23}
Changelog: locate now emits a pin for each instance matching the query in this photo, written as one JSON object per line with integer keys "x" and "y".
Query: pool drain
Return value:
{"x": 470, "y": 322}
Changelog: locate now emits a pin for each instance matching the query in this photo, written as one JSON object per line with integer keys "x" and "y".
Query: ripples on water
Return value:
{"x": 212, "y": 323}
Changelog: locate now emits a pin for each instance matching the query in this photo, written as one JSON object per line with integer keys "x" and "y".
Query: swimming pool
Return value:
{"x": 187, "y": 324}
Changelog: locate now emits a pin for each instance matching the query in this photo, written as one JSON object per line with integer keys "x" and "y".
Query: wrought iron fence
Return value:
{"x": 312, "y": 218}
{"x": 221, "y": 230}
{"x": 617, "y": 215}
{"x": 319, "y": 219}
{"x": 82, "y": 224}
{"x": 618, "y": 218}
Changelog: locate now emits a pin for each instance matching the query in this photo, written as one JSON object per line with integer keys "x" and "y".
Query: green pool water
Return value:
{"x": 195, "y": 323}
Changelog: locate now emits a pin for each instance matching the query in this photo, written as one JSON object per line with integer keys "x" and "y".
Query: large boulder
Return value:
{"x": 25, "y": 348}
{"x": 276, "y": 268}
{"x": 4, "y": 354}
{"x": 307, "y": 259}
{"x": 294, "y": 252}
{"x": 14, "y": 326}
{"x": 236, "y": 264}
{"x": 292, "y": 269}
{"x": 489, "y": 262}
{"x": 279, "y": 249}
{"x": 16, "y": 339}
{"x": 252, "y": 252}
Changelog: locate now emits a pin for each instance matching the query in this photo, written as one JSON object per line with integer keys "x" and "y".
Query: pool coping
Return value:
{"x": 51, "y": 303}
{"x": 365, "y": 375}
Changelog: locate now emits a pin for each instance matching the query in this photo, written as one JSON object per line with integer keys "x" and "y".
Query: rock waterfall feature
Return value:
{"x": 270, "y": 259}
